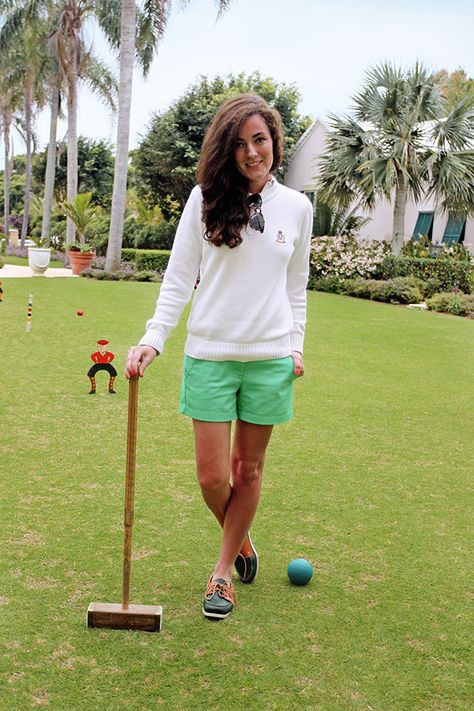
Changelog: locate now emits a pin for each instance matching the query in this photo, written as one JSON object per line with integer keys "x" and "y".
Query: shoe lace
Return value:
{"x": 224, "y": 590}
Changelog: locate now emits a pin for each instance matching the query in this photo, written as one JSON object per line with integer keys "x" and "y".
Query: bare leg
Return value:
{"x": 234, "y": 506}
{"x": 212, "y": 446}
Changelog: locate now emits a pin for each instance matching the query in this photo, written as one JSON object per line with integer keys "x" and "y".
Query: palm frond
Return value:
{"x": 108, "y": 14}
{"x": 456, "y": 130}
{"x": 15, "y": 22}
{"x": 452, "y": 184}
{"x": 151, "y": 25}
{"x": 100, "y": 79}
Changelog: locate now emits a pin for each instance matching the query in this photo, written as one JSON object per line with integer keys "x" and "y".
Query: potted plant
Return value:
{"x": 81, "y": 211}
{"x": 39, "y": 256}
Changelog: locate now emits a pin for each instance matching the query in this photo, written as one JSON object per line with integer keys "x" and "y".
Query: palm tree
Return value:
{"x": 64, "y": 61}
{"x": 26, "y": 55}
{"x": 150, "y": 25}
{"x": 401, "y": 143}
{"x": 10, "y": 102}
{"x": 77, "y": 63}
{"x": 82, "y": 212}
{"x": 331, "y": 220}
{"x": 51, "y": 157}
{"x": 101, "y": 81}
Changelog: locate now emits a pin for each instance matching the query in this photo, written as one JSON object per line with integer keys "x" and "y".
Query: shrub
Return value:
{"x": 401, "y": 290}
{"x": 159, "y": 236}
{"x": 149, "y": 260}
{"x": 330, "y": 284}
{"x": 344, "y": 257}
{"x": 447, "y": 271}
{"x": 121, "y": 275}
{"x": 458, "y": 252}
{"x": 419, "y": 248}
{"x": 424, "y": 247}
{"x": 98, "y": 233}
{"x": 431, "y": 286}
{"x": 2, "y": 262}
{"x": 145, "y": 276}
{"x": 458, "y": 304}
{"x": 358, "y": 287}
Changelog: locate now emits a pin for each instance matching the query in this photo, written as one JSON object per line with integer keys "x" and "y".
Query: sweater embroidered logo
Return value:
{"x": 280, "y": 238}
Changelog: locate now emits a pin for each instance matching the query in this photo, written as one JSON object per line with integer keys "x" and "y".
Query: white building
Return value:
{"x": 420, "y": 218}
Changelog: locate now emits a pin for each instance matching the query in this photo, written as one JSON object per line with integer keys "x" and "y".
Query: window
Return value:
{"x": 455, "y": 230}
{"x": 311, "y": 195}
{"x": 424, "y": 225}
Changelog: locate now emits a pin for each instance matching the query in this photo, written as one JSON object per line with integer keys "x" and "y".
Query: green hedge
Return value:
{"x": 400, "y": 290}
{"x": 155, "y": 260}
{"x": 121, "y": 275}
{"x": 159, "y": 236}
{"x": 457, "y": 304}
{"x": 445, "y": 271}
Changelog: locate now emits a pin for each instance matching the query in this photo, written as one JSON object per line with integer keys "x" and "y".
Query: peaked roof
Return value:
{"x": 307, "y": 135}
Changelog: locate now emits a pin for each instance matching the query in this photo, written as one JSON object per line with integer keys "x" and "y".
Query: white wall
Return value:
{"x": 303, "y": 167}
{"x": 301, "y": 175}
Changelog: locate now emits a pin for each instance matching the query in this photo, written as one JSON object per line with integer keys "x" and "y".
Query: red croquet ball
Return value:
{"x": 80, "y": 312}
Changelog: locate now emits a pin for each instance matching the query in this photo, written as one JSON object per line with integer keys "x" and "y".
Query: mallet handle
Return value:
{"x": 129, "y": 487}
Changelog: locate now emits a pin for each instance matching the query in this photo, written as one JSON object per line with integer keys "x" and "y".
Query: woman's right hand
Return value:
{"x": 139, "y": 358}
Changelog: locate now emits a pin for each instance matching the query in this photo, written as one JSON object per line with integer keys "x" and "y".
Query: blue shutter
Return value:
{"x": 453, "y": 230}
{"x": 423, "y": 225}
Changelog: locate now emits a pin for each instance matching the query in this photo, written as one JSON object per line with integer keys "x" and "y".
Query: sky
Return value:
{"x": 324, "y": 48}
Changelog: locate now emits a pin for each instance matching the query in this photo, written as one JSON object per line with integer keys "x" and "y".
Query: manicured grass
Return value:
{"x": 23, "y": 262}
{"x": 372, "y": 482}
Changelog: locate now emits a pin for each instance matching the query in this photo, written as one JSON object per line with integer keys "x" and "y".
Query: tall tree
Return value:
{"x": 167, "y": 157}
{"x": 149, "y": 26}
{"x": 455, "y": 86}
{"x": 55, "y": 106}
{"x": 65, "y": 61}
{"x": 10, "y": 102}
{"x": 25, "y": 47}
{"x": 401, "y": 143}
{"x": 95, "y": 170}
{"x": 77, "y": 63}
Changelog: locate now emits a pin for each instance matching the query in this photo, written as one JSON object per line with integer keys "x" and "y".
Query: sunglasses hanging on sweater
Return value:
{"x": 256, "y": 220}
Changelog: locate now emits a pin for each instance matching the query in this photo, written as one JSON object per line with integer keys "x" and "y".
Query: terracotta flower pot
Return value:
{"x": 80, "y": 260}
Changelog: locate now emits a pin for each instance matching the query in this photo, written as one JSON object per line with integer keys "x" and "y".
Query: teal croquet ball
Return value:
{"x": 300, "y": 571}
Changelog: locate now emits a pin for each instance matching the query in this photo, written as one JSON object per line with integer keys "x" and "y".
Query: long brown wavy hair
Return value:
{"x": 224, "y": 189}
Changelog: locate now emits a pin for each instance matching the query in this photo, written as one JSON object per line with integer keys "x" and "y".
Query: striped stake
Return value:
{"x": 29, "y": 312}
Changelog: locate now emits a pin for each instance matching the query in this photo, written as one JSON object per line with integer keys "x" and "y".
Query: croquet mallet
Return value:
{"x": 127, "y": 616}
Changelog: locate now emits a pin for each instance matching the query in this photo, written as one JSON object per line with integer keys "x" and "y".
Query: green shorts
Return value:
{"x": 259, "y": 391}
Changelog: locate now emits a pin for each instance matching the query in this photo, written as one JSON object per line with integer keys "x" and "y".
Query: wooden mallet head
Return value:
{"x": 112, "y": 615}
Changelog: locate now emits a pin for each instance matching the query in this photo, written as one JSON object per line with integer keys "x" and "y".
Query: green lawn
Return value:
{"x": 372, "y": 482}
{"x": 23, "y": 262}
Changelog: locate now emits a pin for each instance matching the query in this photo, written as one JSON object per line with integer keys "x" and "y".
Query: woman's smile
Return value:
{"x": 254, "y": 152}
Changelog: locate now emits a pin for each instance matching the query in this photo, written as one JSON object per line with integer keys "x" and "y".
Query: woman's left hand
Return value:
{"x": 298, "y": 365}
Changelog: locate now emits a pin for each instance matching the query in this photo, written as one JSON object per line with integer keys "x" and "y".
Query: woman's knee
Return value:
{"x": 212, "y": 479}
{"x": 246, "y": 471}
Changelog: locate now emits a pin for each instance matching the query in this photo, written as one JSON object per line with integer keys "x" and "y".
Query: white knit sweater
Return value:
{"x": 251, "y": 300}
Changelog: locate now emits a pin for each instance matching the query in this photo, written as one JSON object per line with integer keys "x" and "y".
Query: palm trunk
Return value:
{"x": 127, "y": 51}
{"x": 72, "y": 146}
{"x": 50, "y": 165}
{"x": 6, "y": 119}
{"x": 26, "y": 209}
{"x": 399, "y": 208}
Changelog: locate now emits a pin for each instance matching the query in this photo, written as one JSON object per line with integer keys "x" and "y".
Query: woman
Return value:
{"x": 248, "y": 238}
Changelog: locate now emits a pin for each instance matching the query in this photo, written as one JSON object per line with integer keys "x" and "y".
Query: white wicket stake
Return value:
{"x": 29, "y": 312}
